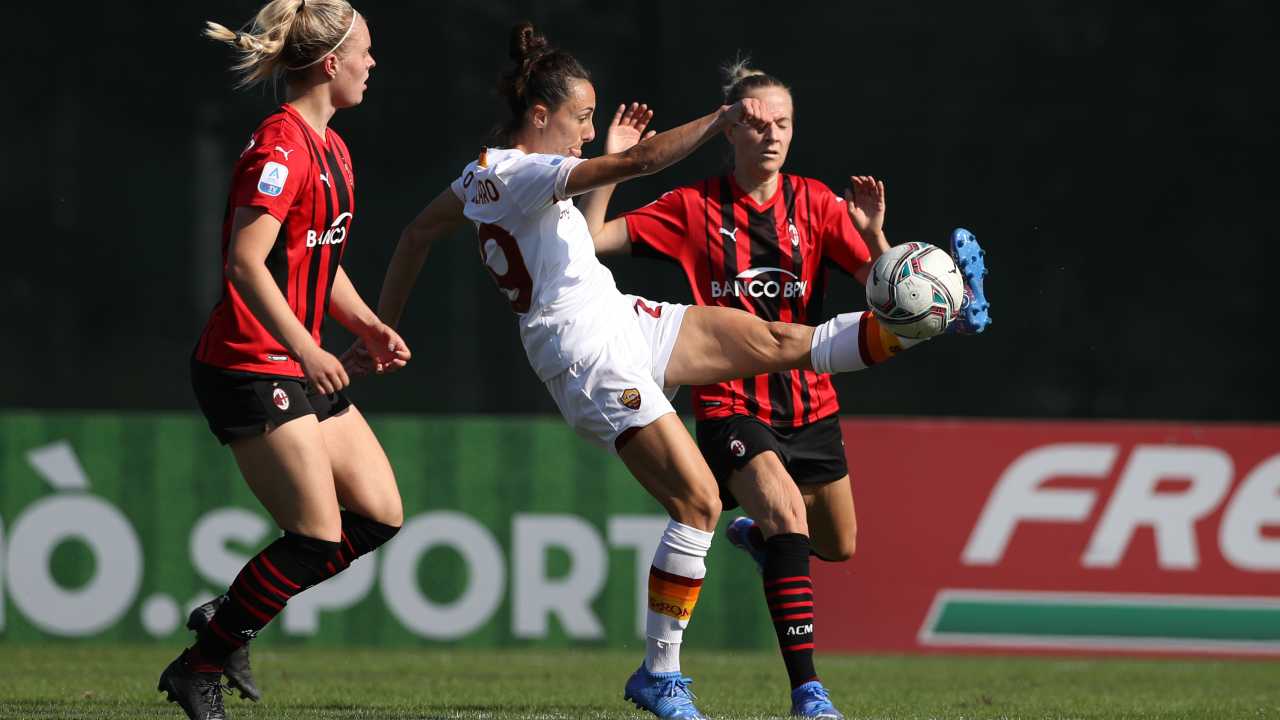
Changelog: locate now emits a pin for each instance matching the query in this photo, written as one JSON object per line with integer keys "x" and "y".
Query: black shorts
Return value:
{"x": 241, "y": 404}
{"x": 812, "y": 454}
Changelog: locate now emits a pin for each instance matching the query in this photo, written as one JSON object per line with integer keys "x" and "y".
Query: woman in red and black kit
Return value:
{"x": 268, "y": 389}
{"x": 762, "y": 240}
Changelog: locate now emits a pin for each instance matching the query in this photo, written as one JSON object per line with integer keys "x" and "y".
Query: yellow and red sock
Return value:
{"x": 854, "y": 341}
{"x": 675, "y": 580}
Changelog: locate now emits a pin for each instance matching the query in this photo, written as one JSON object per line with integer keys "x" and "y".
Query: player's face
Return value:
{"x": 765, "y": 151}
{"x": 573, "y": 123}
{"x": 355, "y": 60}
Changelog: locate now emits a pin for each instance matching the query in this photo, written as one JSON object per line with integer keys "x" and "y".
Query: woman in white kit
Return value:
{"x": 610, "y": 359}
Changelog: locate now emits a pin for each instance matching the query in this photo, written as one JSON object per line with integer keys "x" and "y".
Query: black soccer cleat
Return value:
{"x": 199, "y": 694}
{"x": 236, "y": 666}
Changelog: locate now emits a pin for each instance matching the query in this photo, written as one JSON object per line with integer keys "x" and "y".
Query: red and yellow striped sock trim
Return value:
{"x": 672, "y": 595}
{"x": 875, "y": 343}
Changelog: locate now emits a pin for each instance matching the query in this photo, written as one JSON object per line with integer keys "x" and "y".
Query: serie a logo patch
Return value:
{"x": 271, "y": 181}
{"x": 630, "y": 398}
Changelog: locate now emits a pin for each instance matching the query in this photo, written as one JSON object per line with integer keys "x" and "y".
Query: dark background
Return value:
{"x": 1112, "y": 158}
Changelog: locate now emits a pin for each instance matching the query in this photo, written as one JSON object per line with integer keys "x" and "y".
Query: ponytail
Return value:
{"x": 286, "y": 35}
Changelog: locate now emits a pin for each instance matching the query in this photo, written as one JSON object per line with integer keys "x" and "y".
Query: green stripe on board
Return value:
{"x": 1089, "y": 618}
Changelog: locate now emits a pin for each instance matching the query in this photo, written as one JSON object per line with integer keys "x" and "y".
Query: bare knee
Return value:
{"x": 325, "y": 526}
{"x": 391, "y": 512}
{"x": 697, "y": 504}
{"x": 839, "y": 548}
{"x": 770, "y": 496}
{"x": 700, "y": 508}
{"x": 784, "y": 516}
{"x": 389, "y": 508}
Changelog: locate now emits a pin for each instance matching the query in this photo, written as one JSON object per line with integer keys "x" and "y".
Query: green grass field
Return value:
{"x": 119, "y": 682}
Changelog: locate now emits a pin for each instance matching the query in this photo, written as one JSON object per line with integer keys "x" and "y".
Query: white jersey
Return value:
{"x": 538, "y": 250}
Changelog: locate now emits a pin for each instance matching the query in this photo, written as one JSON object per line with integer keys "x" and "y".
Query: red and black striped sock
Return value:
{"x": 789, "y": 591}
{"x": 360, "y": 536}
{"x": 283, "y": 569}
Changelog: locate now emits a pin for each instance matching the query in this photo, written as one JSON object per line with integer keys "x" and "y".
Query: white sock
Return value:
{"x": 661, "y": 657}
{"x": 675, "y": 579}
{"x": 837, "y": 345}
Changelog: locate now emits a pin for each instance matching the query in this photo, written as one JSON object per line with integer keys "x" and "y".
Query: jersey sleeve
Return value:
{"x": 535, "y": 181}
{"x": 661, "y": 227}
{"x": 458, "y": 186}
{"x": 271, "y": 171}
{"x": 841, "y": 243}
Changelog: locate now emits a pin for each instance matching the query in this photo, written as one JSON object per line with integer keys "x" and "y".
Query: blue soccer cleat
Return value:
{"x": 739, "y": 533}
{"x": 666, "y": 695}
{"x": 810, "y": 700}
{"x": 968, "y": 256}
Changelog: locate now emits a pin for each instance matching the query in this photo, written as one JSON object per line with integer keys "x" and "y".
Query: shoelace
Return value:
{"x": 677, "y": 688}
{"x": 818, "y": 694}
{"x": 211, "y": 692}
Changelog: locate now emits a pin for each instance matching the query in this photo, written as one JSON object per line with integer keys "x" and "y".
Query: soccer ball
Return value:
{"x": 915, "y": 290}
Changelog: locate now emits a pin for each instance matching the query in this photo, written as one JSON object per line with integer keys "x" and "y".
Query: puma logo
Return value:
{"x": 283, "y": 152}
{"x": 324, "y": 178}
{"x": 732, "y": 235}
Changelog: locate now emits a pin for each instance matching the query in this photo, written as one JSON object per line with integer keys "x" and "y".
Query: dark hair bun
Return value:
{"x": 539, "y": 73}
{"x": 526, "y": 43}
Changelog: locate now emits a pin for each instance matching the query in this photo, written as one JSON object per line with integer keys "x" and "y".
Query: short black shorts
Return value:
{"x": 813, "y": 454}
{"x": 241, "y": 404}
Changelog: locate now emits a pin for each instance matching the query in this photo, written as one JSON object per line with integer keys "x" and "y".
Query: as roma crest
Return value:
{"x": 630, "y": 398}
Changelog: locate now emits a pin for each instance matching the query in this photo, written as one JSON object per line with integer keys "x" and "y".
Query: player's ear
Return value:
{"x": 330, "y": 65}
{"x": 539, "y": 115}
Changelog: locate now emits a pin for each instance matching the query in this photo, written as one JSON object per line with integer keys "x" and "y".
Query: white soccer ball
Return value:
{"x": 915, "y": 290}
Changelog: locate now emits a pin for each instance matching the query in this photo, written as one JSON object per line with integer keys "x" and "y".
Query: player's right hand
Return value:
{"x": 749, "y": 111}
{"x": 324, "y": 371}
{"x": 627, "y": 129}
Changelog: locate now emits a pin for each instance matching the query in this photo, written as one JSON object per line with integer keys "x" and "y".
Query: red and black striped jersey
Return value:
{"x": 306, "y": 182}
{"x": 769, "y": 259}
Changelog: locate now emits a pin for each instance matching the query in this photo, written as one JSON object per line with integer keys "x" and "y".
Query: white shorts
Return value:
{"x": 624, "y": 385}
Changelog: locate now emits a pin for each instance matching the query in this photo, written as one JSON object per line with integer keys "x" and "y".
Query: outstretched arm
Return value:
{"x": 626, "y": 130}
{"x": 438, "y": 219}
{"x": 663, "y": 149}
{"x": 866, "y": 207}
{"x": 383, "y": 346}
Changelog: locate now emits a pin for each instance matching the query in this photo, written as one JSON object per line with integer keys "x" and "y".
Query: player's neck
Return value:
{"x": 759, "y": 186}
{"x": 315, "y": 108}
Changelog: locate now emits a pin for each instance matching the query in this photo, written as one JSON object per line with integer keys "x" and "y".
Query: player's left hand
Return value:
{"x": 749, "y": 112}
{"x": 865, "y": 203}
{"x": 627, "y": 129}
{"x": 380, "y": 350}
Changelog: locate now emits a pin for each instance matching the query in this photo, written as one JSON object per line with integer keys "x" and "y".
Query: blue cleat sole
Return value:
{"x": 737, "y": 533}
{"x": 969, "y": 258}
